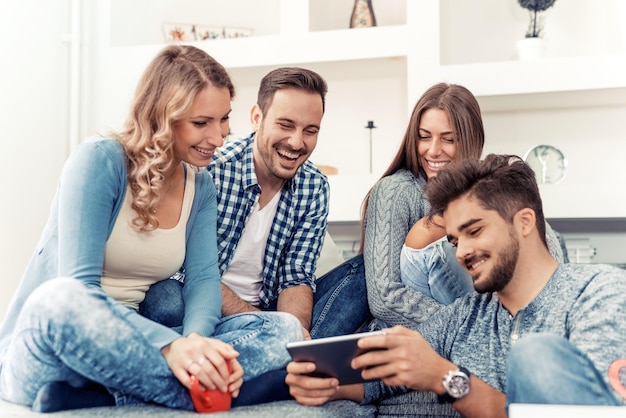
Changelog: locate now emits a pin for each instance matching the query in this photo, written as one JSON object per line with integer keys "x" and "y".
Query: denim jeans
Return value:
{"x": 548, "y": 369}
{"x": 69, "y": 332}
{"x": 339, "y": 307}
{"x": 339, "y": 303}
{"x": 435, "y": 271}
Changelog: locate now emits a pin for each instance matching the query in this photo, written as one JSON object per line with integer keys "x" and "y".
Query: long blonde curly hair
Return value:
{"x": 164, "y": 95}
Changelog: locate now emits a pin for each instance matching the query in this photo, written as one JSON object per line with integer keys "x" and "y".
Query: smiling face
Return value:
{"x": 198, "y": 134}
{"x": 286, "y": 134}
{"x": 436, "y": 145}
{"x": 486, "y": 245}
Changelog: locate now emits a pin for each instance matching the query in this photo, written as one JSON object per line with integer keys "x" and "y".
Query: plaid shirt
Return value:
{"x": 299, "y": 226}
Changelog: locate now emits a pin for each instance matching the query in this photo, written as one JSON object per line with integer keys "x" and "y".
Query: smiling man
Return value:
{"x": 272, "y": 209}
{"x": 536, "y": 332}
{"x": 273, "y": 202}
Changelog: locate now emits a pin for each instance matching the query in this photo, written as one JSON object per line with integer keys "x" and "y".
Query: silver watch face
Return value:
{"x": 457, "y": 384}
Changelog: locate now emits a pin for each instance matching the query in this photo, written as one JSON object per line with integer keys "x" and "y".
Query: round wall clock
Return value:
{"x": 548, "y": 163}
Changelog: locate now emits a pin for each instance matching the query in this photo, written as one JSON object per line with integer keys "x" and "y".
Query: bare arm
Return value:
{"x": 298, "y": 301}
{"x": 232, "y": 304}
{"x": 410, "y": 361}
{"x": 425, "y": 232}
{"x": 407, "y": 361}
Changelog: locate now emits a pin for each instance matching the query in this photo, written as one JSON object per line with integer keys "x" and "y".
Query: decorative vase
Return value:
{"x": 362, "y": 14}
{"x": 531, "y": 48}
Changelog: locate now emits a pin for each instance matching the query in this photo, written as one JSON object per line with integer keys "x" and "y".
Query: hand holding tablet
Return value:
{"x": 332, "y": 355}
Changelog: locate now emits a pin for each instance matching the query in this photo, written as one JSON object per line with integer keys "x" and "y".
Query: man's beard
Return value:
{"x": 268, "y": 158}
{"x": 502, "y": 273}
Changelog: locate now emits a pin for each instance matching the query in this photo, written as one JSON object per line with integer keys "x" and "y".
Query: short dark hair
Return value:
{"x": 290, "y": 77}
{"x": 504, "y": 183}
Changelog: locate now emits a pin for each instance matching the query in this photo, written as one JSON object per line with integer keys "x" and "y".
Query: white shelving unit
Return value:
{"x": 379, "y": 73}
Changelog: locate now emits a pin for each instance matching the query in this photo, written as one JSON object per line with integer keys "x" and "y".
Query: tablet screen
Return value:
{"x": 332, "y": 355}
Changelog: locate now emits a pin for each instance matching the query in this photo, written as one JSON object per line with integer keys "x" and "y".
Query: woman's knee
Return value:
{"x": 56, "y": 302}
{"x": 281, "y": 324}
{"x": 56, "y": 295}
{"x": 533, "y": 359}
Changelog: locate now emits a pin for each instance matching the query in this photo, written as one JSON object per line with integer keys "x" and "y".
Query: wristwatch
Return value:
{"x": 456, "y": 384}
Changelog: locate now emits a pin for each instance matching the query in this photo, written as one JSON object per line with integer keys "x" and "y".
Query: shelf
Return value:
{"x": 543, "y": 75}
{"x": 589, "y": 225}
{"x": 327, "y": 15}
{"x": 312, "y": 47}
{"x": 572, "y": 98}
{"x": 586, "y": 200}
{"x": 546, "y": 78}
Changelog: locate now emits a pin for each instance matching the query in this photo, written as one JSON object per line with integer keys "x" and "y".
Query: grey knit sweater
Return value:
{"x": 585, "y": 303}
{"x": 396, "y": 203}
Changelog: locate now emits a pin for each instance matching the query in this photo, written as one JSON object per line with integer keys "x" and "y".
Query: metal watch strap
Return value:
{"x": 446, "y": 397}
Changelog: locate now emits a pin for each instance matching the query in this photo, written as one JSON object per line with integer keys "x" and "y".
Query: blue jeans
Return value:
{"x": 548, "y": 369}
{"x": 435, "y": 271}
{"x": 339, "y": 307}
{"x": 69, "y": 332}
{"x": 339, "y": 303}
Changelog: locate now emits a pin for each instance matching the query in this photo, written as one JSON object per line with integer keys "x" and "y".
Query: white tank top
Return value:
{"x": 133, "y": 260}
{"x": 244, "y": 274}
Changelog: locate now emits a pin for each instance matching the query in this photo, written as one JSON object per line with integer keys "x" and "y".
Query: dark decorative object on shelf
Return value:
{"x": 370, "y": 126}
{"x": 362, "y": 14}
{"x": 535, "y": 6}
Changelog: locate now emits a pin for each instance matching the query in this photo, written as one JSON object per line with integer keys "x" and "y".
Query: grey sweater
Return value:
{"x": 585, "y": 303}
{"x": 396, "y": 203}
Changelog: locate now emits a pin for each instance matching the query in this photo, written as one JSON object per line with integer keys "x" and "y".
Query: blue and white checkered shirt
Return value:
{"x": 299, "y": 226}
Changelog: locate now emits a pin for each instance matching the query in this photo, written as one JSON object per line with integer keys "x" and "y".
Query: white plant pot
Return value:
{"x": 531, "y": 48}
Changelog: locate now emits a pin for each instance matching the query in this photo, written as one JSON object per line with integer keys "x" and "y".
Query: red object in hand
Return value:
{"x": 205, "y": 400}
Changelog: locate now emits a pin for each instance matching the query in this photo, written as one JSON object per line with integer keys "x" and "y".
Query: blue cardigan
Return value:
{"x": 88, "y": 199}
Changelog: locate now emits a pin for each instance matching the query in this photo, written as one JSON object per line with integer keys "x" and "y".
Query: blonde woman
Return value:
{"x": 128, "y": 212}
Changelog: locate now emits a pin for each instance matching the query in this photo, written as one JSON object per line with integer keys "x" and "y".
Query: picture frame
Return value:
{"x": 233, "y": 32}
{"x": 205, "y": 32}
{"x": 191, "y": 32}
{"x": 178, "y": 32}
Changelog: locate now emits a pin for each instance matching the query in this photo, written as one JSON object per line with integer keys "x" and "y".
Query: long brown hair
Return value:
{"x": 463, "y": 111}
{"x": 164, "y": 95}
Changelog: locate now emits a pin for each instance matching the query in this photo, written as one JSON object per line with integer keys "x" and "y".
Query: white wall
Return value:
{"x": 34, "y": 98}
{"x": 33, "y": 123}
{"x": 572, "y": 27}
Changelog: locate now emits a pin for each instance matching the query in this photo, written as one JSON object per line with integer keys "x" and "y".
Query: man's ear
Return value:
{"x": 256, "y": 116}
{"x": 525, "y": 220}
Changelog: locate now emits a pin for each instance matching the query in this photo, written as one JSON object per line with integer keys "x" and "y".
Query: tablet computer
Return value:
{"x": 332, "y": 355}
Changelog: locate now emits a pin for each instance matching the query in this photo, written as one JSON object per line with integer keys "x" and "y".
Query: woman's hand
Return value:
{"x": 206, "y": 358}
{"x": 315, "y": 391}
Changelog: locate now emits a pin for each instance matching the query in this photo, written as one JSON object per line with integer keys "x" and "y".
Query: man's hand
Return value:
{"x": 314, "y": 391}
{"x": 403, "y": 358}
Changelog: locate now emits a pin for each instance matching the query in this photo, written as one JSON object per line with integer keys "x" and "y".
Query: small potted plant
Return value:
{"x": 532, "y": 46}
